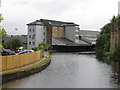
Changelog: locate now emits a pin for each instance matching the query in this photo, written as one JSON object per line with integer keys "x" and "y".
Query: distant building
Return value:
{"x": 23, "y": 39}
{"x": 51, "y": 32}
{"x": 89, "y": 36}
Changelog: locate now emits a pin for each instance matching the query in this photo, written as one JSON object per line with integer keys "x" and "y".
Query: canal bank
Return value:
{"x": 27, "y": 70}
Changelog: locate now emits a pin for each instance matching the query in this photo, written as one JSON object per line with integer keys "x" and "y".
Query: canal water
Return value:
{"x": 70, "y": 70}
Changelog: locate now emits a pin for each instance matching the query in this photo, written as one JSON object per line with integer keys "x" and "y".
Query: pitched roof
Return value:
{"x": 37, "y": 22}
{"x": 52, "y": 22}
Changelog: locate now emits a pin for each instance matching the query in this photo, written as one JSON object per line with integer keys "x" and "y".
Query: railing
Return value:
{"x": 16, "y": 61}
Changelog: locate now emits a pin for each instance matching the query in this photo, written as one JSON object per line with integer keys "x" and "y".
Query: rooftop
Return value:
{"x": 23, "y": 38}
{"x": 89, "y": 33}
{"x": 52, "y": 22}
{"x": 71, "y": 43}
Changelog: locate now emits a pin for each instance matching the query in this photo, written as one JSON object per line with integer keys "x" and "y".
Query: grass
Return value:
{"x": 46, "y": 60}
{"x": 50, "y": 51}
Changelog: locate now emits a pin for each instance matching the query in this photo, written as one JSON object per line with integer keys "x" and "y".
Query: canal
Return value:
{"x": 70, "y": 70}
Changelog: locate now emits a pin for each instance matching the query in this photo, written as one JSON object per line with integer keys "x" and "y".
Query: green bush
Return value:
{"x": 35, "y": 49}
{"x": 13, "y": 44}
{"x": 116, "y": 55}
{"x": 40, "y": 47}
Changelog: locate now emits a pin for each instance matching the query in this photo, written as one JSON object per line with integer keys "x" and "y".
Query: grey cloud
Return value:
{"x": 52, "y": 7}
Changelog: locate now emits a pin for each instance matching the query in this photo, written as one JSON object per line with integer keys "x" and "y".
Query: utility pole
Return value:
{"x": 119, "y": 8}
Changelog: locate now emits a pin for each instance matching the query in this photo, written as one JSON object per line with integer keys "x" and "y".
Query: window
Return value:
{"x": 30, "y": 30}
{"x": 33, "y": 36}
{"x": 44, "y": 33}
{"x": 33, "y": 30}
{"x": 29, "y": 36}
{"x": 33, "y": 43}
{"x": 29, "y": 43}
{"x": 44, "y": 27}
{"x": 43, "y": 40}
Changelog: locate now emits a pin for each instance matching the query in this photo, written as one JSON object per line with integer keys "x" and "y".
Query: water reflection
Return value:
{"x": 70, "y": 70}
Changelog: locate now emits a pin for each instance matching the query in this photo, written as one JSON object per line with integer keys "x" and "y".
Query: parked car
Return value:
{"x": 25, "y": 51}
{"x": 29, "y": 50}
{"x": 19, "y": 50}
{"x": 8, "y": 52}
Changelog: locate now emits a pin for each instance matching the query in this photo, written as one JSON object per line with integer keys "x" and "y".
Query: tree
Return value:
{"x": 7, "y": 44}
{"x": 102, "y": 45}
{"x": 103, "y": 41}
{"x": 16, "y": 43}
{"x": 106, "y": 29}
{"x": 1, "y": 18}
{"x": 2, "y": 32}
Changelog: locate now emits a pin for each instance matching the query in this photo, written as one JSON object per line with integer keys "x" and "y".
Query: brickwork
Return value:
{"x": 115, "y": 37}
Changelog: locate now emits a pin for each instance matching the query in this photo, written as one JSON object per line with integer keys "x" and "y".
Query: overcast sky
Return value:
{"x": 89, "y": 14}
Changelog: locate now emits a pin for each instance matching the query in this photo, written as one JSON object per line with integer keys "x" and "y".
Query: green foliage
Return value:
{"x": 102, "y": 45}
{"x": 99, "y": 54}
{"x": 15, "y": 43}
{"x": 40, "y": 47}
{"x": 116, "y": 55}
{"x": 114, "y": 20}
{"x": 35, "y": 49}
{"x": 1, "y": 48}
{"x": 7, "y": 44}
{"x": 2, "y": 32}
{"x": 1, "y": 18}
{"x": 106, "y": 29}
{"x": 103, "y": 42}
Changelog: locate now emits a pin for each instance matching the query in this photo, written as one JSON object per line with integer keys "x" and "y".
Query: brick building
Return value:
{"x": 115, "y": 36}
{"x": 51, "y": 32}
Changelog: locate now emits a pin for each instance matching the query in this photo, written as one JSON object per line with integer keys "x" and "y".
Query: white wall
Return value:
{"x": 39, "y": 35}
{"x": 71, "y": 34}
{"x": 40, "y": 30}
{"x": 31, "y": 33}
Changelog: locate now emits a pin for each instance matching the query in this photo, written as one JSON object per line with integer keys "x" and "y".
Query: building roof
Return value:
{"x": 37, "y": 22}
{"x": 89, "y": 36}
{"x": 68, "y": 42}
{"x": 89, "y": 33}
{"x": 52, "y": 22}
{"x": 23, "y": 38}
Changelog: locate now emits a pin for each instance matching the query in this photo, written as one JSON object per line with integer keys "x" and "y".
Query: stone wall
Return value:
{"x": 115, "y": 37}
